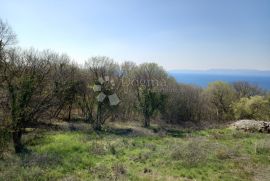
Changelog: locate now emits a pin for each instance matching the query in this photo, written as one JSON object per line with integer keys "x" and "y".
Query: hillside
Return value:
{"x": 130, "y": 152}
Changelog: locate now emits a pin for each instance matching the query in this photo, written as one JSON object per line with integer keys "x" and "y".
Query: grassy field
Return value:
{"x": 119, "y": 154}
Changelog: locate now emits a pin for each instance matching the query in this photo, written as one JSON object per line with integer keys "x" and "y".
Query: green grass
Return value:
{"x": 181, "y": 155}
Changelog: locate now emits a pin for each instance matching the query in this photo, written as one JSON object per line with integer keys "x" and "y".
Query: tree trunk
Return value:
{"x": 69, "y": 112}
{"x": 17, "y": 141}
{"x": 97, "y": 127}
{"x": 97, "y": 124}
{"x": 146, "y": 122}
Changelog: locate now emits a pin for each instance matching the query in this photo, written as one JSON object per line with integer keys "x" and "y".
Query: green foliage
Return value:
{"x": 256, "y": 107}
{"x": 150, "y": 78}
{"x": 151, "y": 101}
{"x": 221, "y": 95}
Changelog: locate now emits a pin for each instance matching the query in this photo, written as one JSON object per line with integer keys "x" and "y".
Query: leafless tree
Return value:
{"x": 102, "y": 71}
{"x": 29, "y": 84}
{"x": 246, "y": 89}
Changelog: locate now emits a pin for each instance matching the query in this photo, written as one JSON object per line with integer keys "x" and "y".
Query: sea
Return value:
{"x": 203, "y": 79}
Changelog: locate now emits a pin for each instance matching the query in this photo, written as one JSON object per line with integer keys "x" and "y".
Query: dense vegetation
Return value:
{"x": 40, "y": 88}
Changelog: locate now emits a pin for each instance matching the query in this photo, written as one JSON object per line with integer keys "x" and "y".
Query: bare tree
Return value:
{"x": 27, "y": 77}
{"x": 246, "y": 89}
{"x": 7, "y": 36}
{"x": 67, "y": 80}
{"x": 97, "y": 105}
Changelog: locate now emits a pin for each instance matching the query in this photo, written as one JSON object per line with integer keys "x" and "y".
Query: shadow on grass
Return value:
{"x": 177, "y": 133}
{"x": 119, "y": 131}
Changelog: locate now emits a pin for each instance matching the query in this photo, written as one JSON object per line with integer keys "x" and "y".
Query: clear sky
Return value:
{"x": 177, "y": 34}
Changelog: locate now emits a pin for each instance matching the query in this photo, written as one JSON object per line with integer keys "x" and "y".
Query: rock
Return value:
{"x": 252, "y": 126}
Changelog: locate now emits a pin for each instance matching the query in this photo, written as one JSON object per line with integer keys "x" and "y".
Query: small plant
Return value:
{"x": 119, "y": 170}
{"x": 112, "y": 149}
{"x": 151, "y": 147}
{"x": 43, "y": 160}
{"x": 101, "y": 172}
{"x": 262, "y": 147}
{"x": 191, "y": 154}
{"x": 241, "y": 134}
{"x": 223, "y": 152}
{"x": 142, "y": 157}
{"x": 98, "y": 148}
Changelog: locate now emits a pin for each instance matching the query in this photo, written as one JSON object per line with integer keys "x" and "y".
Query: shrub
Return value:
{"x": 263, "y": 147}
{"x": 101, "y": 172}
{"x": 223, "y": 152}
{"x": 256, "y": 107}
{"x": 98, "y": 148}
{"x": 119, "y": 170}
{"x": 191, "y": 154}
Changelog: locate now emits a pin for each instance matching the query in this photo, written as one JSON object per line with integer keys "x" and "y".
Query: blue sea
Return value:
{"x": 202, "y": 80}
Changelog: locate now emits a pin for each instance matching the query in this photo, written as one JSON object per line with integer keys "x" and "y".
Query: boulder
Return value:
{"x": 252, "y": 126}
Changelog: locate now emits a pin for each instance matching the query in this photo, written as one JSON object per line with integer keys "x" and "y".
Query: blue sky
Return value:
{"x": 177, "y": 34}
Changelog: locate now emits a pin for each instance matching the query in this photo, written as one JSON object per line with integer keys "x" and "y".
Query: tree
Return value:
{"x": 7, "y": 38}
{"x": 149, "y": 78}
{"x": 245, "y": 89}
{"x": 67, "y": 80}
{"x": 28, "y": 81}
{"x": 99, "y": 90}
{"x": 184, "y": 104}
{"x": 127, "y": 108}
{"x": 221, "y": 95}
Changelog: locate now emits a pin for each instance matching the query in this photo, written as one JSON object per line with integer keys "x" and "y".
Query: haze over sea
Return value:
{"x": 203, "y": 78}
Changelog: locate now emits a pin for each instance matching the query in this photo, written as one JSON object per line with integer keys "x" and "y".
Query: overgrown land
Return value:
{"x": 109, "y": 121}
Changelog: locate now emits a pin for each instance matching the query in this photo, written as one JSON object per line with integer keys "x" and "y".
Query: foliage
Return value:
{"x": 221, "y": 95}
{"x": 149, "y": 80}
{"x": 256, "y": 107}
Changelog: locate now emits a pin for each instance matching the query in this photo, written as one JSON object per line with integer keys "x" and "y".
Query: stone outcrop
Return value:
{"x": 252, "y": 126}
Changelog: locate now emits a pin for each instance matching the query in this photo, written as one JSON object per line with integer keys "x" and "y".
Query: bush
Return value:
{"x": 191, "y": 154}
{"x": 256, "y": 108}
{"x": 119, "y": 170}
{"x": 223, "y": 152}
{"x": 263, "y": 147}
{"x": 98, "y": 148}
